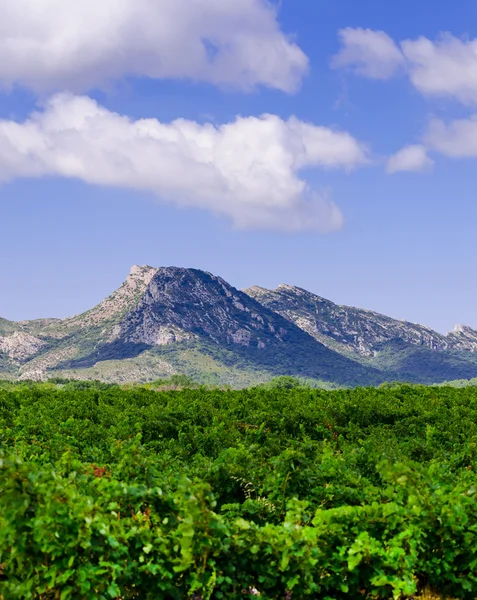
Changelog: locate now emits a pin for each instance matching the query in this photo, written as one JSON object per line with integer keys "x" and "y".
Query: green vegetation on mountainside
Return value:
{"x": 404, "y": 362}
{"x": 7, "y": 326}
{"x": 289, "y": 492}
{"x": 460, "y": 383}
{"x": 210, "y": 364}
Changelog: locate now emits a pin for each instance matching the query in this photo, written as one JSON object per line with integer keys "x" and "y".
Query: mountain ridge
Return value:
{"x": 461, "y": 336}
{"x": 174, "y": 319}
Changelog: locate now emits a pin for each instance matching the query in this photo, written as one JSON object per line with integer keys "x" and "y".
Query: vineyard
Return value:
{"x": 108, "y": 492}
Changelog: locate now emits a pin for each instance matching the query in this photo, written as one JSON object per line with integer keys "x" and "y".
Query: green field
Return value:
{"x": 108, "y": 492}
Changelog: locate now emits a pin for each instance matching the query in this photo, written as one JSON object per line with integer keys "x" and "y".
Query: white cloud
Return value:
{"x": 457, "y": 139}
{"x": 410, "y": 158}
{"x": 57, "y": 45}
{"x": 445, "y": 67}
{"x": 248, "y": 170}
{"x": 369, "y": 53}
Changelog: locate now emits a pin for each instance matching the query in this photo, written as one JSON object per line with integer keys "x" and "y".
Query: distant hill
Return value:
{"x": 175, "y": 320}
{"x": 399, "y": 349}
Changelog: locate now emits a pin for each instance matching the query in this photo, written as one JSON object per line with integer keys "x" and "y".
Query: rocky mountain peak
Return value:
{"x": 182, "y": 303}
{"x": 119, "y": 302}
{"x": 140, "y": 275}
{"x": 256, "y": 289}
{"x": 299, "y": 294}
{"x": 463, "y": 329}
{"x": 286, "y": 287}
{"x": 463, "y": 337}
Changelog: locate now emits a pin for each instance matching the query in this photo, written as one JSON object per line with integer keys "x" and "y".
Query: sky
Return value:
{"x": 328, "y": 145}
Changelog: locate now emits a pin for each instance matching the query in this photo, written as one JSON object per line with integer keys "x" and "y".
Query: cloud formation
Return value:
{"x": 247, "y": 170}
{"x": 410, "y": 158}
{"x": 457, "y": 139}
{"x": 58, "y": 45}
{"x": 445, "y": 67}
{"x": 368, "y": 53}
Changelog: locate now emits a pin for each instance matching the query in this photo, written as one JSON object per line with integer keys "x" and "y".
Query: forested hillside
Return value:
{"x": 132, "y": 493}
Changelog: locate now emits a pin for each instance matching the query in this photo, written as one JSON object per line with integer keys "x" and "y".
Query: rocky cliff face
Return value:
{"x": 20, "y": 346}
{"x": 171, "y": 319}
{"x": 463, "y": 338}
{"x": 348, "y": 329}
{"x": 181, "y": 304}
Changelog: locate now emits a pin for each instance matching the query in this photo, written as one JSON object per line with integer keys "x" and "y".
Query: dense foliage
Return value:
{"x": 284, "y": 492}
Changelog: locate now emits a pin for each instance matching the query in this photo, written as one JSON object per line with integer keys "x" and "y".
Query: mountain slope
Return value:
{"x": 30, "y": 348}
{"x": 169, "y": 320}
{"x": 188, "y": 308}
{"x": 399, "y": 349}
{"x": 118, "y": 303}
{"x": 352, "y": 330}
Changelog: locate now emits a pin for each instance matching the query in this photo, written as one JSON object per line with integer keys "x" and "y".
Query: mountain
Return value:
{"x": 184, "y": 309}
{"x": 350, "y": 330}
{"x": 401, "y": 349}
{"x": 175, "y": 320}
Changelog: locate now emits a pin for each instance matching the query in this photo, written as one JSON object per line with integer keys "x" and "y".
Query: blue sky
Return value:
{"x": 359, "y": 186}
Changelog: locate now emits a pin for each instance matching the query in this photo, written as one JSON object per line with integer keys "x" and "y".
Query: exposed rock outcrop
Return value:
{"x": 344, "y": 328}
{"x": 463, "y": 338}
{"x": 181, "y": 304}
{"x": 21, "y": 346}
